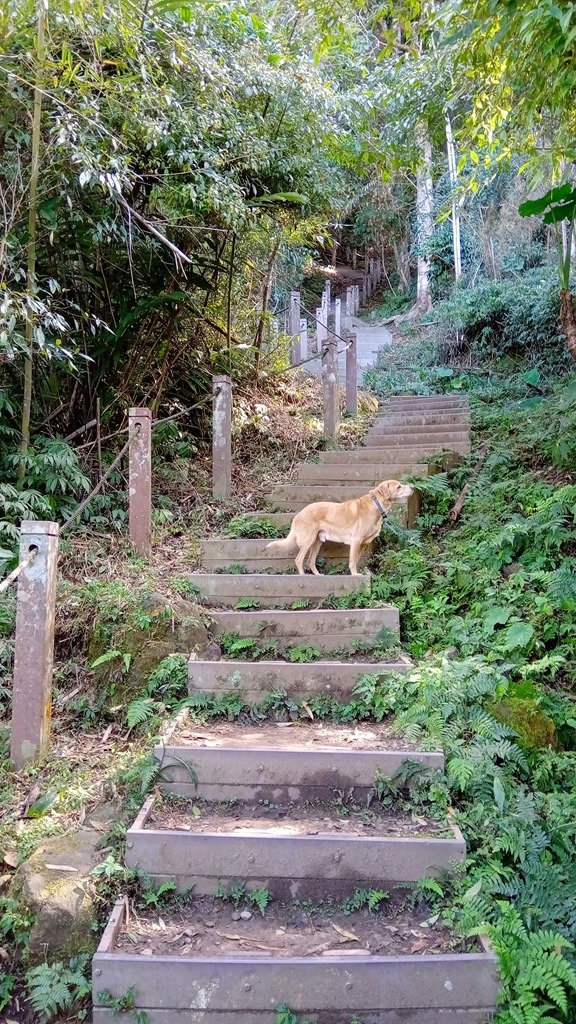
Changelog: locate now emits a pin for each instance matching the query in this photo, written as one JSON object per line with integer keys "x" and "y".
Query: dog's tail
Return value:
{"x": 287, "y": 546}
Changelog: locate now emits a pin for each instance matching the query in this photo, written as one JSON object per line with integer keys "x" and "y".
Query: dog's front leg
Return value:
{"x": 355, "y": 551}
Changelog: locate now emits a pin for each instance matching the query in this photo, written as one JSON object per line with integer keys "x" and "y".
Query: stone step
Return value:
{"x": 308, "y": 854}
{"x": 251, "y": 555}
{"x": 281, "y": 762}
{"x": 421, "y": 420}
{"x": 326, "y": 630}
{"x": 271, "y": 591}
{"x": 293, "y": 497}
{"x": 393, "y": 458}
{"x": 419, "y": 434}
{"x": 369, "y": 473}
{"x": 254, "y": 679}
{"x": 428, "y": 443}
{"x": 334, "y": 985}
{"x": 425, "y": 402}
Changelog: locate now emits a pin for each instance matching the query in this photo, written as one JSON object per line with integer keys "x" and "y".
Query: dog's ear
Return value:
{"x": 387, "y": 490}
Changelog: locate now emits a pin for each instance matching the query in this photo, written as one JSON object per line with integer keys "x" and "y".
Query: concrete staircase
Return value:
{"x": 280, "y": 803}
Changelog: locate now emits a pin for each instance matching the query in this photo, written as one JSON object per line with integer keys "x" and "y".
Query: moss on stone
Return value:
{"x": 534, "y": 728}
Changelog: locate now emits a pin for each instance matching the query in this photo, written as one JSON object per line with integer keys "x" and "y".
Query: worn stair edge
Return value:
{"x": 261, "y": 773}
{"x": 274, "y": 590}
{"x": 408, "y": 456}
{"x": 327, "y": 630}
{"x": 280, "y": 773}
{"x": 290, "y": 865}
{"x": 370, "y": 473}
{"x": 421, "y": 435}
{"x": 218, "y": 553}
{"x": 428, "y": 445}
{"x": 418, "y": 419}
{"x": 254, "y": 679}
{"x": 424, "y": 400}
{"x": 245, "y": 989}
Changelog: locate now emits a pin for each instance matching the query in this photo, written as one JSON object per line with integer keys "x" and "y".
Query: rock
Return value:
{"x": 245, "y": 915}
{"x": 236, "y": 916}
{"x": 534, "y": 728}
{"x": 213, "y": 651}
{"x": 55, "y": 886}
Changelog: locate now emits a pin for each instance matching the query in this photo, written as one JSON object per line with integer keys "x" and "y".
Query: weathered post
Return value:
{"x": 327, "y": 298}
{"x": 294, "y": 328}
{"x": 140, "y": 480}
{"x": 356, "y": 298}
{"x": 321, "y": 328}
{"x": 34, "y": 646}
{"x": 351, "y": 375}
{"x": 304, "y": 338}
{"x": 330, "y": 389}
{"x": 338, "y": 317}
{"x": 349, "y": 303}
{"x": 221, "y": 436}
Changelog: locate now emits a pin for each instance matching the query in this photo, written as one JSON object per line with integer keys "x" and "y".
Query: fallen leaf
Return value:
{"x": 161, "y": 923}
{"x": 10, "y": 857}
{"x": 342, "y": 931}
{"x": 100, "y": 826}
{"x": 417, "y": 946}
{"x": 60, "y": 867}
{"x": 4, "y": 879}
{"x": 107, "y": 733}
{"x": 308, "y": 710}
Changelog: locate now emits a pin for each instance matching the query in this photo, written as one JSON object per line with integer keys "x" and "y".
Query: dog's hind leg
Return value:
{"x": 313, "y": 555}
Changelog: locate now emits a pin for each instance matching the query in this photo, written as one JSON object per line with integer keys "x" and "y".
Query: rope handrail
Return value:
{"x": 19, "y": 568}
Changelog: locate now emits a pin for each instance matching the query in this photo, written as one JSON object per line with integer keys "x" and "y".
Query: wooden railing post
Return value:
{"x": 304, "y": 338}
{"x": 34, "y": 646}
{"x": 321, "y": 328}
{"x": 338, "y": 317}
{"x": 294, "y": 328}
{"x": 351, "y": 375}
{"x": 140, "y": 480}
{"x": 330, "y": 390}
{"x": 356, "y": 298}
{"x": 349, "y": 301}
{"x": 222, "y": 437}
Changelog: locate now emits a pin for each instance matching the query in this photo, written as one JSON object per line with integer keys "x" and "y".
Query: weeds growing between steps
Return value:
{"x": 488, "y": 609}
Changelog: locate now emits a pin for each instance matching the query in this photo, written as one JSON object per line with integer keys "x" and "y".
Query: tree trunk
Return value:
{"x": 42, "y": 9}
{"x": 425, "y": 224}
{"x": 452, "y": 167}
{"x": 259, "y": 339}
{"x": 568, "y": 320}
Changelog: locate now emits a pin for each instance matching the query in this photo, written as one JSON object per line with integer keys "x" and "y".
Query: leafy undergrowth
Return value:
{"x": 488, "y": 609}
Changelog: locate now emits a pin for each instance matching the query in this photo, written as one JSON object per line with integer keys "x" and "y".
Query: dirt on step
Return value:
{"x": 299, "y": 734}
{"x": 306, "y": 819}
{"x": 209, "y": 927}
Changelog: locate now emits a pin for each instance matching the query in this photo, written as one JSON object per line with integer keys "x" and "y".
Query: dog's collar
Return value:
{"x": 381, "y": 510}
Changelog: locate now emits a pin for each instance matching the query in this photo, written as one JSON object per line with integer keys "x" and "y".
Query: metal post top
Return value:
{"x": 31, "y": 527}
{"x": 140, "y": 412}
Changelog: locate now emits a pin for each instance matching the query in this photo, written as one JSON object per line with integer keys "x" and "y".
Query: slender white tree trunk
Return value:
{"x": 425, "y": 223}
{"x": 452, "y": 168}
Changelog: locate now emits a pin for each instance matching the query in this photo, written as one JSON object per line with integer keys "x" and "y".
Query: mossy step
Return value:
{"x": 273, "y": 591}
{"x": 325, "y": 629}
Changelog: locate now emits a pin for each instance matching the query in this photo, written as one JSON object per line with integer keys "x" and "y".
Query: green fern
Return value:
{"x": 59, "y": 987}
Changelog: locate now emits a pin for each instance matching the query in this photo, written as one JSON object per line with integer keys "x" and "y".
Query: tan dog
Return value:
{"x": 355, "y": 522}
